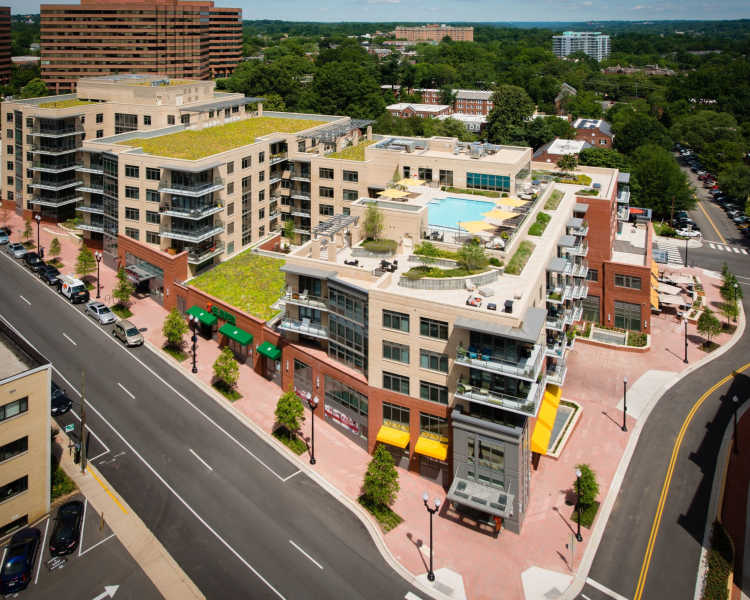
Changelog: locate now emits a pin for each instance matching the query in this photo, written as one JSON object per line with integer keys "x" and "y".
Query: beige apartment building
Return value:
{"x": 25, "y": 442}
{"x": 434, "y": 33}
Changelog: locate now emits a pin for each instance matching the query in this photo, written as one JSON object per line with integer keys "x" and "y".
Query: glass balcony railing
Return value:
{"x": 304, "y": 327}
{"x": 56, "y": 132}
{"x": 300, "y": 195}
{"x": 55, "y": 202}
{"x": 51, "y": 167}
{"x": 197, "y": 256}
{"x": 94, "y": 209}
{"x": 528, "y": 405}
{"x": 301, "y": 212}
{"x": 526, "y": 367}
{"x": 189, "y": 234}
{"x": 174, "y": 209}
{"x": 556, "y": 373}
{"x": 556, "y": 349}
{"x": 303, "y": 299}
{"x": 198, "y": 188}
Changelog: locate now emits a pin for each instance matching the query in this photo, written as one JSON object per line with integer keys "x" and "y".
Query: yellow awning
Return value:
{"x": 497, "y": 214}
{"x": 393, "y": 193}
{"x": 655, "y": 298}
{"x": 393, "y": 436}
{"x": 511, "y": 202}
{"x": 545, "y": 420}
{"x": 475, "y": 226}
{"x": 409, "y": 181}
{"x": 432, "y": 448}
{"x": 655, "y": 269}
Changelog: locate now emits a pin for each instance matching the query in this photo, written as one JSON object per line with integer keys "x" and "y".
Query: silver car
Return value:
{"x": 16, "y": 250}
{"x": 126, "y": 332}
{"x": 100, "y": 312}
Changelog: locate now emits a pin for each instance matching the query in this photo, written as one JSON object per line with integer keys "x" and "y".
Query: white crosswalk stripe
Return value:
{"x": 726, "y": 248}
{"x": 674, "y": 250}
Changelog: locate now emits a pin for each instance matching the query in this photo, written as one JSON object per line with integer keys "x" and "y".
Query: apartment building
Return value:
{"x": 25, "y": 443}
{"x": 170, "y": 38}
{"x": 467, "y": 102}
{"x": 593, "y": 43}
{"x": 434, "y": 33}
{"x": 5, "y": 44}
{"x": 553, "y": 151}
{"x": 43, "y": 169}
{"x": 405, "y": 110}
{"x": 596, "y": 132}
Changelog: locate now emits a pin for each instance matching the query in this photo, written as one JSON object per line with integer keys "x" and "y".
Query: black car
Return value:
{"x": 18, "y": 565}
{"x": 5, "y": 229}
{"x": 49, "y": 274}
{"x": 67, "y": 531}
{"x": 33, "y": 261}
{"x": 59, "y": 402}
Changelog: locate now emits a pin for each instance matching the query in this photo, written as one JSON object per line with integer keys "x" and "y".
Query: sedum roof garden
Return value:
{"x": 64, "y": 103}
{"x": 352, "y": 152}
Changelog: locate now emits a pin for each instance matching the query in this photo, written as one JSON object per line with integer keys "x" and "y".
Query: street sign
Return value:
{"x": 70, "y": 427}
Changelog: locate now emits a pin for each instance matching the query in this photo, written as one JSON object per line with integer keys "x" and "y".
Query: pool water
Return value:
{"x": 448, "y": 212}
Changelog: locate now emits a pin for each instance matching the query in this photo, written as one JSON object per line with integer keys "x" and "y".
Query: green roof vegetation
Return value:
{"x": 520, "y": 258}
{"x": 194, "y": 144}
{"x": 249, "y": 281}
{"x": 64, "y": 103}
{"x": 352, "y": 152}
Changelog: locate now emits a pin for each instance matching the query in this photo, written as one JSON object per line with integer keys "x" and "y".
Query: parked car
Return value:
{"x": 4, "y": 238}
{"x": 59, "y": 401}
{"x": 49, "y": 274}
{"x": 73, "y": 289}
{"x": 16, "y": 250}
{"x": 128, "y": 333}
{"x": 688, "y": 233}
{"x": 67, "y": 531}
{"x": 18, "y": 565}
{"x": 33, "y": 261}
{"x": 100, "y": 312}
{"x": 739, "y": 219}
{"x": 5, "y": 229}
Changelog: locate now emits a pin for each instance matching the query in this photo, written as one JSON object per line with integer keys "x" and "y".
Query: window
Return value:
{"x": 125, "y": 122}
{"x": 10, "y": 180}
{"x": 9, "y": 117}
{"x": 396, "y": 415}
{"x": 397, "y": 352}
{"x": 100, "y": 133}
{"x": 434, "y": 425}
{"x": 170, "y": 119}
{"x": 131, "y": 171}
{"x": 230, "y": 209}
{"x": 337, "y": 392}
{"x": 29, "y": 122}
{"x": 592, "y": 275}
{"x": 152, "y": 217}
{"x": 247, "y": 162}
{"x": 15, "y": 448}
{"x": 425, "y": 174}
{"x": 9, "y": 165}
{"x": 628, "y": 281}
{"x": 446, "y": 177}
{"x": 351, "y": 195}
{"x": 602, "y": 142}
{"x": 262, "y": 196}
{"x": 433, "y": 329}
{"x": 261, "y": 231}
{"x": 185, "y": 119}
{"x": 230, "y": 248}
{"x": 152, "y": 196}
{"x": 152, "y": 237}
{"x": 326, "y": 192}
{"x": 407, "y": 172}
{"x": 230, "y": 168}
{"x": 131, "y": 232}
{"x": 131, "y": 192}
{"x": 433, "y": 360}
{"x": 487, "y": 455}
{"x": 261, "y": 176}
{"x": 147, "y": 119}
{"x": 591, "y": 310}
{"x": 628, "y": 316}
{"x": 153, "y": 174}
{"x": 326, "y": 209}
{"x": 246, "y": 183}
{"x": 235, "y": 109}
{"x": 261, "y": 214}
{"x": 14, "y": 408}
{"x": 482, "y": 181}
{"x": 132, "y": 214}
{"x": 230, "y": 187}
{"x": 395, "y": 383}
{"x": 352, "y": 176}
{"x": 433, "y": 392}
{"x": 261, "y": 157}
{"x": 100, "y": 117}
{"x": 14, "y": 488}
{"x": 230, "y": 228}
{"x": 326, "y": 173}
{"x": 395, "y": 320}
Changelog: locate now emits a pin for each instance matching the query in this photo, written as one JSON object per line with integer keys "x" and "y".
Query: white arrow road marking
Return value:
{"x": 109, "y": 592}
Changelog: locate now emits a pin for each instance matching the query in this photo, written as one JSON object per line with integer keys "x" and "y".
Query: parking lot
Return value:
{"x": 99, "y": 568}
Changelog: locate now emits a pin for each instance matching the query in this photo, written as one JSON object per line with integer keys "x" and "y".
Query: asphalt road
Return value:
{"x": 674, "y": 562}
{"x": 233, "y": 512}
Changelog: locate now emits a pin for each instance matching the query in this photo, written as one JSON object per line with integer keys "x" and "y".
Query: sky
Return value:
{"x": 468, "y": 10}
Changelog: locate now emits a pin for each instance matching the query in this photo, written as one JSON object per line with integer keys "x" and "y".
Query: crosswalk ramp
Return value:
{"x": 673, "y": 249}
{"x": 726, "y": 248}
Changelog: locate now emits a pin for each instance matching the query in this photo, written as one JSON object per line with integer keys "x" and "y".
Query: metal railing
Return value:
{"x": 192, "y": 212}
{"x": 303, "y": 299}
{"x": 524, "y": 405}
{"x": 198, "y": 255}
{"x": 197, "y": 188}
{"x": 523, "y": 367}
{"x": 304, "y": 327}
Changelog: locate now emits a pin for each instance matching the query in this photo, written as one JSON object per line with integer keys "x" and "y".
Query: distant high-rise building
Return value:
{"x": 592, "y": 43}
{"x": 4, "y": 44}
{"x": 434, "y": 33}
{"x": 174, "y": 38}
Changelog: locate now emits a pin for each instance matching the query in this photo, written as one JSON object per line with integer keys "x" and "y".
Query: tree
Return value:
{"x": 124, "y": 289}
{"x": 708, "y": 324}
{"x": 638, "y": 129}
{"x": 603, "y": 157}
{"x": 730, "y": 310}
{"x": 226, "y": 368}
{"x": 512, "y": 106}
{"x": 85, "y": 262}
{"x": 567, "y": 162}
{"x": 27, "y": 231}
{"x": 54, "y": 248}
{"x": 730, "y": 288}
{"x": 373, "y": 223}
{"x": 34, "y": 89}
{"x": 381, "y": 479}
{"x": 174, "y": 329}
{"x": 288, "y": 229}
{"x": 661, "y": 181}
{"x": 589, "y": 488}
{"x": 471, "y": 256}
{"x": 289, "y": 412}
{"x": 735, "y": 181}
{"x": 583, "y": 104}
{"x": 344, "y": 88}
{"x": 447, "y": 95}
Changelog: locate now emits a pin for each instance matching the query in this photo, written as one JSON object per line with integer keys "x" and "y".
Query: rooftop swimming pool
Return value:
{"x": 449, "y": 212}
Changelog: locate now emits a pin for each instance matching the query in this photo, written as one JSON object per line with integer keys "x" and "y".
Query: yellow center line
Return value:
{"x": 705, "y": 212}
{"x": 668, "y": 480}
{"x": 109, "y": 493}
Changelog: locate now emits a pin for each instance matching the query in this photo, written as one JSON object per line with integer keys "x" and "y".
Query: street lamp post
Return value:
{"x": 313, "y": 402}
{"x": 432, "y": 511}
{"x": 624, "y": 404}
{"x": 736, "y": 285}
{"x": 579, "y": 537}
{"x": 38, "y": 219}
{"x": 736, "y": 404}
{"x": 686, "y": 251}
{"x": 98, "y": 256}
{"x": 193, "y": 324}
{"x": 686, "y": 341}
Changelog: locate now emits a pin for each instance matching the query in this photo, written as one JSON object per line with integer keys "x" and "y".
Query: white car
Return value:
{"x": 100, "y": 312}
{"x": 688, "y": 233}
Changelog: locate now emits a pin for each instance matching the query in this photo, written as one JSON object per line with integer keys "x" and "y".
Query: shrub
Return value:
{"x": 495, "y": 262}
{"x": 589, "y": 488}
{"x": 720, "y": 561}
{"x": 554, "y": 200}
{"x": 472, "y": 257}
{"x": 486, "y": 193}
{"x": 520, "y": 258}
{"x": 60, "y": 484}
{"x": 637, "y": 339}
{"x": 380, "y": 246}
{"x": 174, "y": 329}
{"x": 381, "y": 485}
{"x": 226, "y": 369}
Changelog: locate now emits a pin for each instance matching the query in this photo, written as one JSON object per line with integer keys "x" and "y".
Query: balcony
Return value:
{"x": 301, "y": 212}
{"x": 91, "y": 189}
{"x": 55, "y": 133}
{"x": 56, "y": 187}
{"x": 195, "y": 236}
{"x": 559, "y": 294}
{"x": 295, "y": 175}
{"x": 96, "y": 228}
{"x": 302, "y": 230}
{"x": 556, "y": 373}
{"x": 37, "y": 148}
{"x": 273, "y": 214}
{"x": 94, "y": 170}
{"x": 578, "y": 249}
{"x": 41, "y": 167}
{"x": 523, "y": 368}
{"x": 577, "y": 313}
{"x": 274, "y": 179}
{"x": 303, "y": 299}
{"x": 556, "y": 350}
{"x": 55, "y": 202}
{"x": 304, "y": 327}
{"x": 525, "y": 406}
{"x": 171, "y": 209}
{"x": 580, "y": 270}
{"x": 94, "y": 209}
{"x": 300, "y": 195}
{"x": 197, "y": 256}
{"x": 277, "y": 158}
{"x": 555, "y": 322}
{"x": 192, "y": 189}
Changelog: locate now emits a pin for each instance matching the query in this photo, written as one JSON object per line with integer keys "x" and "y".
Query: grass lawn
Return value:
{"x": 249, "y": 281}
{"x": 352, "y": 152}
{"x": 230, "y": 394}
{"x": 382, "y": 246}
{"x": 292, "y": 442}
{"x": 554, "y": 200}
{"x": 193, "y": 144}
{"x": 587, "y": 515}
{"x": 121, "y": 311}
{"x": 61, "y": 484}
{"x": 520, "y": 258}
{"x": 385, "y": 516}
{"x": 175, "y": 353}
{"x": 64, "y": 103}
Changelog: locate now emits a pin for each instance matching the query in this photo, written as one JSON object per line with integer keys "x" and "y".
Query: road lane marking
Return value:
{"x": 743, "y": 251}
{"x": 711, "y": 244}
{"x": 24, "y": 299}
{"x": 106, "y": 489}
{"x": 288, "y": 477}
{"x": 124, "y": 389}
{"x": 668, "y": 479}
{"x": 604, "y": 590}
{"x": 67, "y": 337}
{"x": 716, "y": 229}
{"x": 315, "y": 562}
{"x": 41, "y": 552}
{"x": 99, "y": 543}
{"x": 736, "y": 250}
{"x": 83, "y": 525}
{"x": 205, "y": 464}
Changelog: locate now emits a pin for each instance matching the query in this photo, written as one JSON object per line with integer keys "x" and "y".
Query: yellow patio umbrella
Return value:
{"x": 393, "y": 193}
{"x": 497, "y": 214}
{"x": 475, "y": 226}
{"x": 410, "y": 181}
{"x": 511, "y": 202}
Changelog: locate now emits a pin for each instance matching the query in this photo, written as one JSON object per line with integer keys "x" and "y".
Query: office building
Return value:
{"x": 434, "y": 33}
{"x": 170, "y": 38}
{"x": 25, "y": 441}
{"x": 5, "y": 45}
{"x": 592, "y": 43}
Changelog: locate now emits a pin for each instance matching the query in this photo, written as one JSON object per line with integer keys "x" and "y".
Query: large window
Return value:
{"x": 152, "y": 173}
{"x": 433, "y": 329}
{"x": 352, "y": 176}
{"x": 125, "y": 122}
{"x": 592, "y": 275}
{"x": 351, "y": 195}
{"x": 483, "y": 181}
{"x": 485, "y": 454}
{"x": 394, "y": 351}
{"x": 627, "y": 281}
{"x": 12, "y": 449}
{"x": 312, "y": 285}
{"x": 132, "y": 214}
{"x": 446, "y": 177}
{"x": 591, "y": 310}
{"x": 433, "y": 392}
{"x": 152, "y": 217}
{"x": 396, "y": 383}
{"x": 395, "y": 320}
{"x": 342, "y": 394}
{"x": 326, "y": 192}
{"x": 132, "y": 192}
{"x": 325, "y": 173}
{"x": 14, "y": 488}
{"x": 131, "y": 170}
{"x": 14, "y": 408}
{"x": 393, "y": 414}
{"x": 433, "y": 360}
{"x": 431, "y": 424}
{"x": 628, "y": 316}
{"x": 152, "y": 196}
{"x": 425, "y": 173}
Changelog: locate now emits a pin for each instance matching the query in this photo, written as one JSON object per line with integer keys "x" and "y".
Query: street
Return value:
{"x": 234, "y": 513}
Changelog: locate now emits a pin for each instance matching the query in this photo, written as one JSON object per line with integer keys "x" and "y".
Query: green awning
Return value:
{"x": 269, "y": 350}
{"x": 203, "y": 316}
{"x": 233, "y": 332}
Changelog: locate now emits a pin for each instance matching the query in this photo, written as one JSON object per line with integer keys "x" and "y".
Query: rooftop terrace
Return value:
{"x": 352, "y": 152}
{"x": 64, "y": 103}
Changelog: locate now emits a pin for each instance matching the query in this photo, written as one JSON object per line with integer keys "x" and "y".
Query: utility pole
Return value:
{"x": 83, "y": 422}
{"x": 671, "y": 213}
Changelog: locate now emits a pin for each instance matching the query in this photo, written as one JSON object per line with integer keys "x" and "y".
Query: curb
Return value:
{"x": 355, "y": 508}
{"x": 606, "y": 507}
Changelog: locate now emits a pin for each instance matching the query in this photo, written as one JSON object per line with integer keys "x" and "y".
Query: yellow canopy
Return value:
{"x": 545, "y": 420}
{"x": 655, "y": 269}
{"x": 497, "y": 214}
{"x": 409, "y": 181}
{"x": 432, "y": 448}
{"x": 475, "y": 226}
{"x": 511, "y": 202}
{"x": 393, "y": 193}
{"x": 655, "y": 298}
{"x": 393, "y": 436}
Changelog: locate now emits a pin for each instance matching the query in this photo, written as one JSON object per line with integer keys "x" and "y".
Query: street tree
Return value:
{"x": 567, "y": 163}
{"x": 589, "y": 488}
{"x": 373, "y": 223}
{"x": 124, "y": 289}
{"x": 381, "y": 485}
{"x": 27, "y": 231}
{"x": 730, "y": 288}
{"x": 735, "y": 181}
{"x": 54, "y": 248}
{"x": 226, "y": 369}
{"x": 85, "y": 262}
{"x": 289, "y": 412}
{"x": 730, "y": 310}
{"x": 708, "y": 325}
{"x": 174, "y": 329}
{"x": 662, "y": 184}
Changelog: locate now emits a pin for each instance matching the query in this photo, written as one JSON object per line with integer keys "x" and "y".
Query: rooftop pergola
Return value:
{"x": 333, "y": 226}
{"x": 330, "y": 133}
